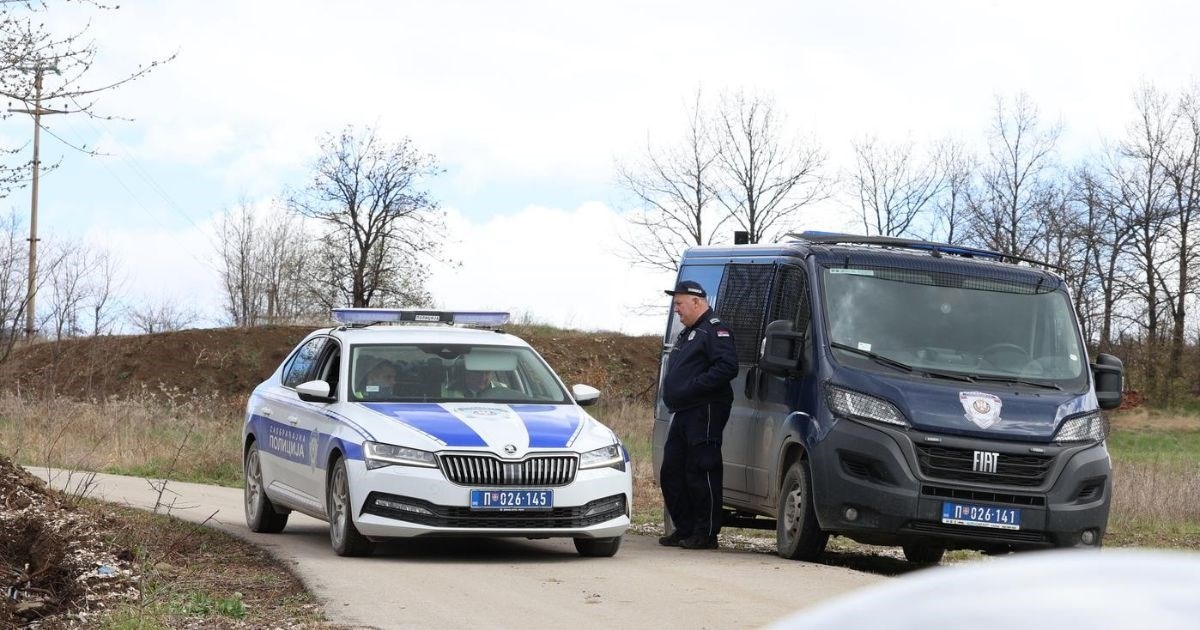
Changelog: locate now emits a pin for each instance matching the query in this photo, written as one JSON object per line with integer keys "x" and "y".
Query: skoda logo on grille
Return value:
{"x": 509, "y": 449}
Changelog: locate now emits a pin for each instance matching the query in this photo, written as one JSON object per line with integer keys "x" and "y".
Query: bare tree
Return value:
{"x": 382, "y": 228}
{"x": 672, "y": 187}
{"x": 950, "y": 207}
{"x": 284, "y": 261}
{"x": 104, "y": 283}
{"x": 1182, "y": 170}
{"x": 893, "y": 185}
{"x": 239, "y": 234}
{"x": 1107, "y": 236}
{"x": 765, "y": 178}
{"x": 163, "y": 315}
{"x": 1140, "y": 196}
{"x": 1017, "y": 184}
{"x": 68, "y": 271}
{"x": 13, "y": 288}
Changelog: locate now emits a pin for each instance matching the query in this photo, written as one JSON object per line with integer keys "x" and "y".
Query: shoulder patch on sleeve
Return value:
{"x": 722, "y": 332}
{"x": 714, "y": 320}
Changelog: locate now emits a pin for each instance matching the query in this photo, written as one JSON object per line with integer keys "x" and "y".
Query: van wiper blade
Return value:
{"x": 953, "y": 376}
{"x": 878, "y": 358}
{"x": 1019, "y": 381}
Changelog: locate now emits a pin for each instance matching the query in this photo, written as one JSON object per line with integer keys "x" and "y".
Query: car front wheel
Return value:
{"x": 343, "y": 535}
{"x": 261, "y": 515}
{"x": 598, "y": 547}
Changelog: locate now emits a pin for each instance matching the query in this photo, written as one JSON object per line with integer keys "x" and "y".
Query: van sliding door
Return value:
{"x": 745, "y": 292}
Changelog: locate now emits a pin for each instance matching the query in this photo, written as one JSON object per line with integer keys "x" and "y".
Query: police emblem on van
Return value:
{"x": 982, "y": 408}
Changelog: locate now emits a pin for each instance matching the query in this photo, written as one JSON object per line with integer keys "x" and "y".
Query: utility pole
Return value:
{"x": 37, "y": 112}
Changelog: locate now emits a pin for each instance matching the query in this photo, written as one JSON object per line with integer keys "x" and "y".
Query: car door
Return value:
{"x": 287, "y": 446}
{"x": 316, "y": 425}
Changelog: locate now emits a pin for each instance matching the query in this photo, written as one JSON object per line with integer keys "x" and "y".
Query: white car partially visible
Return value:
{"x": 419, "y": 452}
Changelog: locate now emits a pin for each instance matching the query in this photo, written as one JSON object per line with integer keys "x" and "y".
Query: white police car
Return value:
{"x": 430, "y": 430}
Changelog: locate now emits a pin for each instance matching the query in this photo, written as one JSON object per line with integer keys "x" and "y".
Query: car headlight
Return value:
{"x": 611, "y": 456}
{"x": 1090, "y": 428}
{"x": 856, "y": 406}
{"x": 378, "y": 455}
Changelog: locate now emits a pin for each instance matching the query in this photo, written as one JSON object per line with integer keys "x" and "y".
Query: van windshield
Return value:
{"x": 946, "y": 323}
{"x": 450, "y": 373}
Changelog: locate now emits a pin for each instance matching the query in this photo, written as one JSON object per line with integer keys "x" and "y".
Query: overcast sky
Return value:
{"x": 528, "y": 105}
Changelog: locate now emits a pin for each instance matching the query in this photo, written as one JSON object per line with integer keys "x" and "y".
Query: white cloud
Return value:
{"x": 561, "y": 267}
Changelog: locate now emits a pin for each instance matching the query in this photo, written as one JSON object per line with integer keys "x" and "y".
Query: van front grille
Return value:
{"x": 957, "y": 464}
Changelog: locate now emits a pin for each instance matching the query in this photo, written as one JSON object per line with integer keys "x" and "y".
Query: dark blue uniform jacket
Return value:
{"x": 701, "y": 365}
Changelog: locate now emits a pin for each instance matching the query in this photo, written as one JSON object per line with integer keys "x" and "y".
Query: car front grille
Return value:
{"x": 488, "y": 470}
{"x": 956, "y": 464}
{"x": 426, "y": 513}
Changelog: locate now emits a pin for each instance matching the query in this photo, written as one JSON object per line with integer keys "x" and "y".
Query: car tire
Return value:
{"x": 261, "y": 515}
{"x": 343, "y": 535}
{"x": 798, "y": 536}
{"x": 598, "y": 547}
{"x": 924, "y": 553}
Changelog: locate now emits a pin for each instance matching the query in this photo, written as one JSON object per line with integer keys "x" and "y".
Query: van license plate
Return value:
{"x": 512, "y": 499}
{"x": 981, "y": 515}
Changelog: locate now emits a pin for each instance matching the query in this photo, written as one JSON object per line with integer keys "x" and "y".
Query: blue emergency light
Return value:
{"x": 368, "y": 316}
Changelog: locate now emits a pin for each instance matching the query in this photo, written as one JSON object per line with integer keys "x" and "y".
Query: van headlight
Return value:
{"x": 1090, "y": 428}
{"x": 856, "y": 406}
{"x": 611, "y": 456}
{"x": 378, "y": 455}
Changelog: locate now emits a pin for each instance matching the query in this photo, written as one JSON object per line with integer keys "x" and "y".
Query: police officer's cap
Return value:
{"x": 688, "y": 287}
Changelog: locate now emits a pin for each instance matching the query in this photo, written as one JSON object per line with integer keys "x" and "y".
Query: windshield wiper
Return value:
{"x": 878, "y": 358}
{"x": 1019, "y": 381}
{"x": 953, "y": 376}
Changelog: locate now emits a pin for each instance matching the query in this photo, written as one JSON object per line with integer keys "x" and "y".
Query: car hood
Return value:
{"x": 508, "y": 429}
{"x": 978, "y": 409}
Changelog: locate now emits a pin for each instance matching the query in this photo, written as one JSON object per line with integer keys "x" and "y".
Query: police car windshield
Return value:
{"x": 450, "y": 373}
{"x": 998, "y": 331}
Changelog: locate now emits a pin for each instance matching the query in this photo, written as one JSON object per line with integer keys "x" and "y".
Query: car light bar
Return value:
{"x": 368, "y": 316}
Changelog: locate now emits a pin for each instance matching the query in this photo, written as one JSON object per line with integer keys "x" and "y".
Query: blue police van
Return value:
{"x": 902, "y": 392}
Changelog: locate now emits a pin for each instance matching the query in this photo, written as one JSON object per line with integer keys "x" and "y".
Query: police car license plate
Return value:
{"x": 512, "y": 499}
{"x": 981, "y": 515}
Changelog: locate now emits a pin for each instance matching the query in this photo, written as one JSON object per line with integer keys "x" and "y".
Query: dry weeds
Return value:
{"x": 137, "y": 435}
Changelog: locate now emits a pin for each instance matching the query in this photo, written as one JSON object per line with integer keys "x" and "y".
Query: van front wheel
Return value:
{"x": 797, "y": 534}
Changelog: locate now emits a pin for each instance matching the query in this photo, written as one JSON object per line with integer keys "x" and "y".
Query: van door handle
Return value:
{"x": 751, "y": 388}
{"x": 293, "y": 420}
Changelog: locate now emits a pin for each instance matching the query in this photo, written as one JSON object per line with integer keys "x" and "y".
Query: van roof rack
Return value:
{"x": 936, "y": 249}
{"x": 363, "y": 317}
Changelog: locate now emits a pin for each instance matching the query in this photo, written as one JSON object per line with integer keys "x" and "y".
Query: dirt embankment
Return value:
{"x": 231, "y": 361}
{"x": 55, "y": 561}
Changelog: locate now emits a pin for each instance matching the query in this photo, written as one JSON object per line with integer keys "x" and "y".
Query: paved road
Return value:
{"x": 508, "y": 583}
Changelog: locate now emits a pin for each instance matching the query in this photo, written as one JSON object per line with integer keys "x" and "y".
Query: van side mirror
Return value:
{"x": 783, "y": 349}
{"x": 1109, "y": 374}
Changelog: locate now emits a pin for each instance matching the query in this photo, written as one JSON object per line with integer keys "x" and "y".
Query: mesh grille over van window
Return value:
{"x": 744, "y": 292}
{"x": 791, "y": 298}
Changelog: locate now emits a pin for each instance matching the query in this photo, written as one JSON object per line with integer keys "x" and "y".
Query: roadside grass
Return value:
{"x": 1156, "y": 480}
{"x": 159, "y": 433}
{"x": 166, "y": 434}
{"x": 195, "y": 576}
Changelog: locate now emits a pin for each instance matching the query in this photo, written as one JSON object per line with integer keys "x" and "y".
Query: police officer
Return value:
{"x": 697, "y": 392}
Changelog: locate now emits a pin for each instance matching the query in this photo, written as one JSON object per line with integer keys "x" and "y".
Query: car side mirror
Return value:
{"x": 314, "y": 391}
{"x": 1109, "y": 373}
{"x": 782, "y": 350}
{"x": 585, "y": 394}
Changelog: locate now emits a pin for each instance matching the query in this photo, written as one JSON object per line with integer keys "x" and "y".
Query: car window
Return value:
{"x": 302, "y": 362}
{"x": 451, "y": 373}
